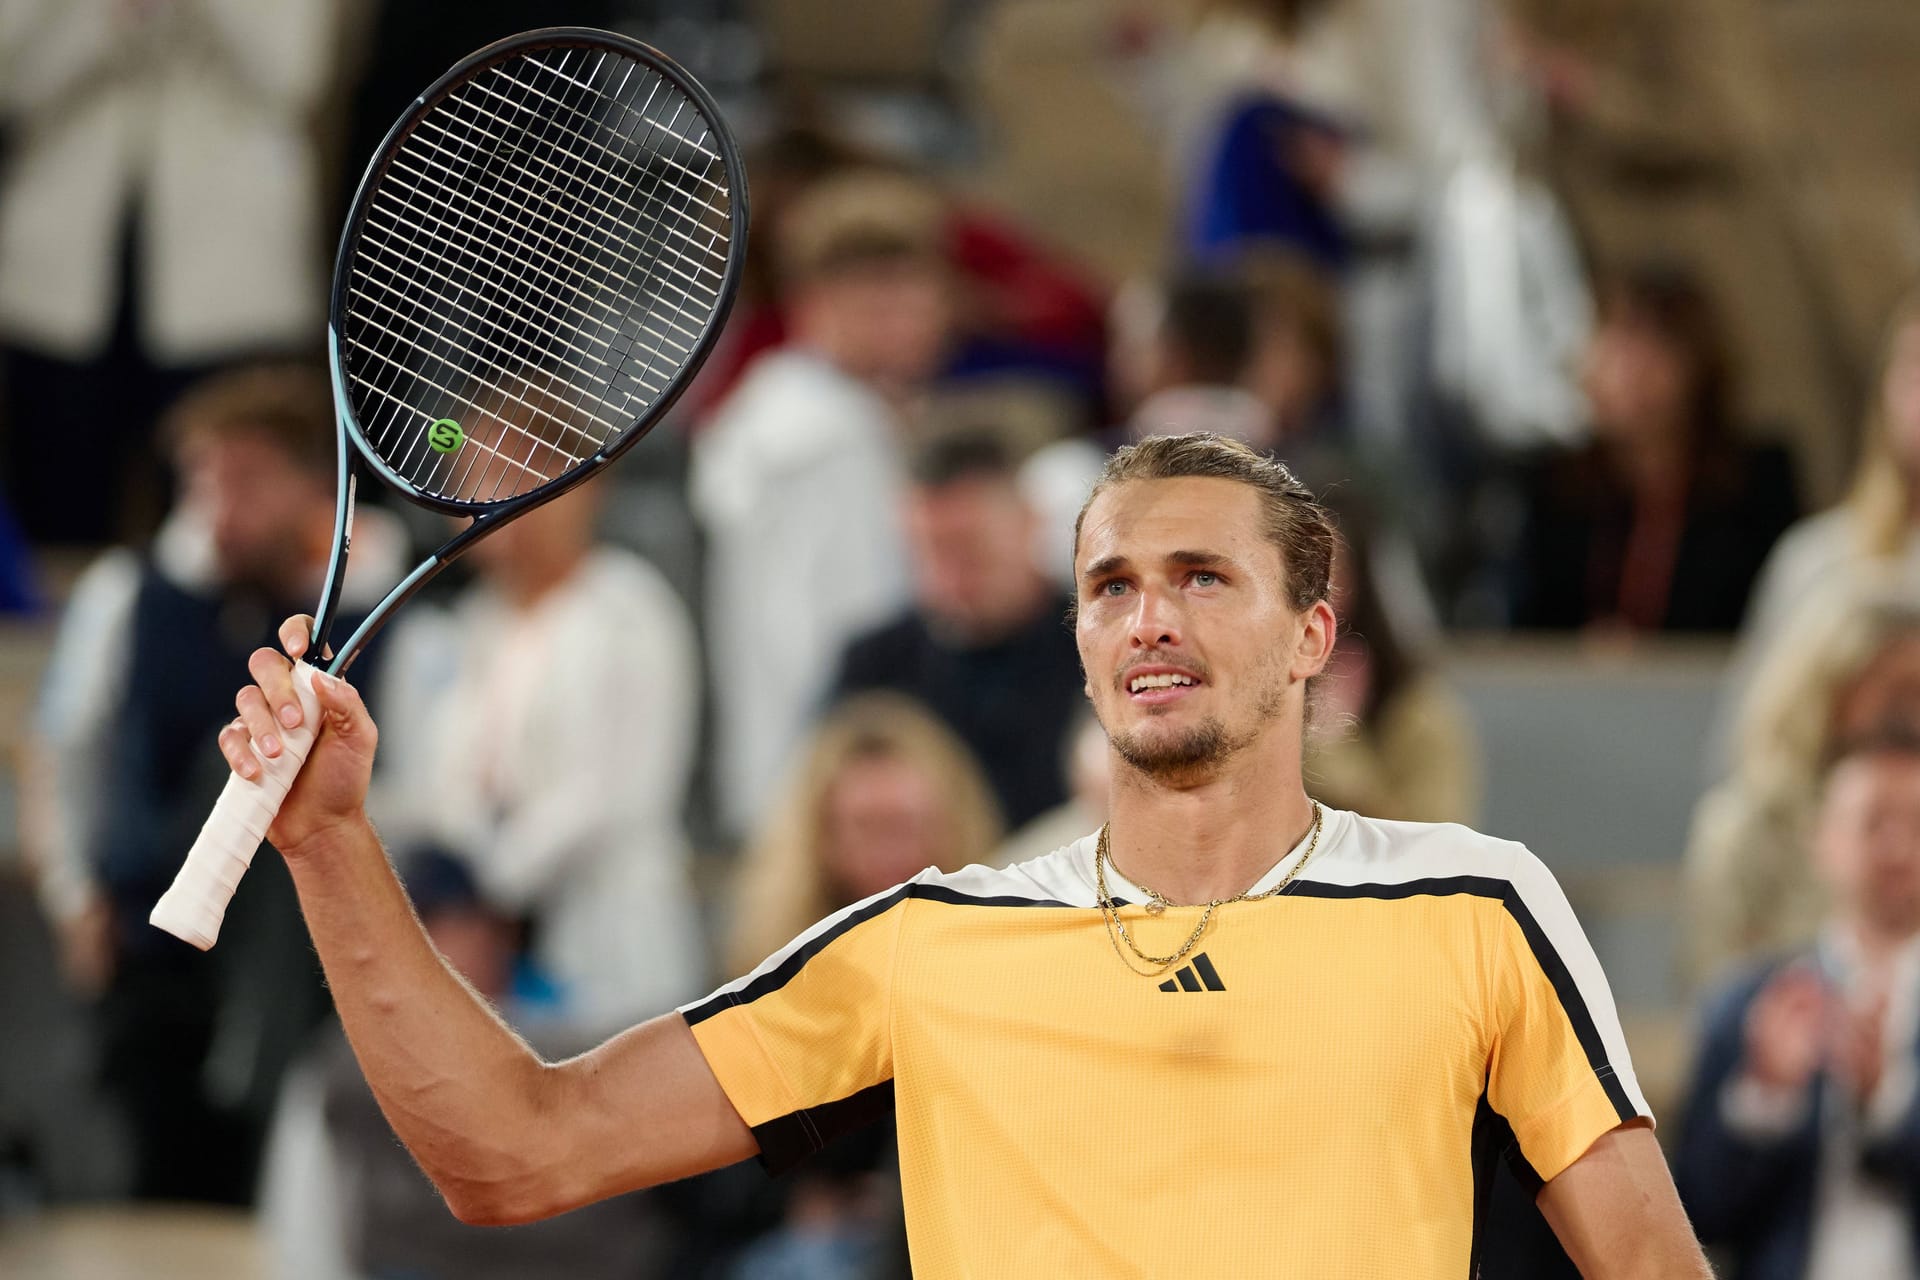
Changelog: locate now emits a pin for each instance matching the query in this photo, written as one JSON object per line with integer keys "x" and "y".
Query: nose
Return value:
{"x": 1156, "y": 620}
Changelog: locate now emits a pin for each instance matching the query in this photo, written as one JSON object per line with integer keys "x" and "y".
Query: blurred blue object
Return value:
{"x": 17, "y": 592}
{"x": 1255, "y": 186}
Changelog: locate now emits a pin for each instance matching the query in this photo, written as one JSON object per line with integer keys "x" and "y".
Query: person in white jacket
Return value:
{"x": 179, "y": 133}
{"x": 546, "y": 731}
{"x": 797, "y": 481}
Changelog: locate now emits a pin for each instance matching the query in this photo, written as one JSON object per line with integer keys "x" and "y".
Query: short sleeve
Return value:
{"x": 803, "y": 1045}
{"x": 1560, "y": 1075}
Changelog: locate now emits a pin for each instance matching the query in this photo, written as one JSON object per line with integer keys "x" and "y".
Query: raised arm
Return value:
{"x": 1617, "y": 1215}
{"x": 505, "y": 1136}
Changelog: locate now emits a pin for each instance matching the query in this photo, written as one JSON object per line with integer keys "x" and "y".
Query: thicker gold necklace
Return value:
{"x": 1158, "y": 902}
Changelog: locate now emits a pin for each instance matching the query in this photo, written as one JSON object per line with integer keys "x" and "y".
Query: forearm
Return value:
{"x": 463, "y": 1092}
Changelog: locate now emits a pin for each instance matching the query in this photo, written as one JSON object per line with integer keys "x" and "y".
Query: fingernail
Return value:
{"x": 248, "y": 768}
{"x": 290, "y": 715}
{"x": 270, "y": 745}
{"x": 325, "y": 681}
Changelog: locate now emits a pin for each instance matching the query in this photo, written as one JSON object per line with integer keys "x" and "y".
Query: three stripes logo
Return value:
{"x": 1200, "y": 975}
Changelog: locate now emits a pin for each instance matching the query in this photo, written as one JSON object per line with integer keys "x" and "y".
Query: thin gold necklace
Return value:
{"x": 1159, "y": 902}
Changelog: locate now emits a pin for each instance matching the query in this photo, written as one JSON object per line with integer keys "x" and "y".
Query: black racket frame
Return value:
{"x": 486, "y": 517}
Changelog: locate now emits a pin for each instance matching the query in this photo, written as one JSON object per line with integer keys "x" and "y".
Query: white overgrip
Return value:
{"x": 194, "y": 906}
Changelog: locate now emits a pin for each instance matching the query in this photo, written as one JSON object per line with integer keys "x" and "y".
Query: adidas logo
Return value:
{"x": 1197, "y": 976}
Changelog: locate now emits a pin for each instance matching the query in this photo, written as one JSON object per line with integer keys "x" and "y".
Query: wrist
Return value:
{"x": 327, "y": 840}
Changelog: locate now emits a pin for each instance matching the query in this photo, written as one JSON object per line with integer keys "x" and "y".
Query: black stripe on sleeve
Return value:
{"x": 787, "y": 1140}
{"x": 1585, "y": 1030}
{"x": 796, "y": 959}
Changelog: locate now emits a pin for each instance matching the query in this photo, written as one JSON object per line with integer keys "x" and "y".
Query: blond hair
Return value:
{"x": 1786, "y": 731}
{"x": 784, "y": 885}
{"x": 1880, "y": 503}
{"x": 1292, "y": 519}
{"x": 1749, "y": 882}
{"x": 859, "y": 219}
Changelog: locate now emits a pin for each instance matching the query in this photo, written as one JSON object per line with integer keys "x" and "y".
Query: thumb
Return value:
{"x": 341, "y": 704}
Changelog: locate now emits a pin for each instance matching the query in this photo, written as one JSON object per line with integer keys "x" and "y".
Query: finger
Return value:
{"x": 257, "y": 720}
{"x": 340, "y": 703}
{"x": 274, "y": 674}
{"x": 295, "y": 634}
{"x": 239, "y": 753}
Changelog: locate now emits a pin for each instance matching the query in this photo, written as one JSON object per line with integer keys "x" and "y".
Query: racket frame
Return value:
{"x": 487, "y": 516}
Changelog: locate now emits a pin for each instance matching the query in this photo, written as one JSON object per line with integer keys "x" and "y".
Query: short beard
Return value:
{"x": 1198, "y": 751}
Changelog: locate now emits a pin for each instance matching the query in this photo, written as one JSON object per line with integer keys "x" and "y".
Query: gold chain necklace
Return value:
{"x": 1158, "y": 902}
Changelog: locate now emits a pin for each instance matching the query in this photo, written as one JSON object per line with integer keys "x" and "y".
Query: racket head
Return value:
{"x": 536, "y": 263}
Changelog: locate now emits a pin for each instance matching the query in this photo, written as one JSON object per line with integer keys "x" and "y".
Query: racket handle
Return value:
{"x": 192, "y": 909}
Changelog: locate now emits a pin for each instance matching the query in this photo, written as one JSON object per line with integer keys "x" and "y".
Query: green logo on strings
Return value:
{"x": 445, "y": 436}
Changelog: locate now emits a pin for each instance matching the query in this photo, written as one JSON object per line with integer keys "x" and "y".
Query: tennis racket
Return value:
{"x": 535, "y": 264}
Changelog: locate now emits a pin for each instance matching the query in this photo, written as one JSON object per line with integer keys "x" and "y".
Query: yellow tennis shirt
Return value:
{"x": 1319, "y": 1090}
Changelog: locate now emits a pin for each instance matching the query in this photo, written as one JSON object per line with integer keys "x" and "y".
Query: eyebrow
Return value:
{"x": 1191, "y": 559}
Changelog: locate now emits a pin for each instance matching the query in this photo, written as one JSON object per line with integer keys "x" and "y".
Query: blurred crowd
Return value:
{"x": 1585, "y": 318}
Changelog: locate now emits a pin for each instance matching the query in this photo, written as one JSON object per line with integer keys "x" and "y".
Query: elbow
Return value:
{"x": 501, "y": 1204}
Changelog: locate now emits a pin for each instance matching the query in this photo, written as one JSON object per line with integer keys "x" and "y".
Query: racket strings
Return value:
{"x": 538, "y": 259}
{"x": 524, "y": 216}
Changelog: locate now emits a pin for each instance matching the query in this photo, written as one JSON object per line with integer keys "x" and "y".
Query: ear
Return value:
{"x": 1318, "y": 630}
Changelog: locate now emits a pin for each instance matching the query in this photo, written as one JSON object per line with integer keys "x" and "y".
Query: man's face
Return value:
{"x": 972, "y": 543}
{"x": 1190, "y": 649}
{"x": 882, "y": 825}
{"x": 1868, "y": 839}
{"x": 887, "y": 322}
{"x": 258, "y": 502}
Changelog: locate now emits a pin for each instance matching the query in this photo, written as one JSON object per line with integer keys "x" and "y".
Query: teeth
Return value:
{"x": 1162, "y": 681}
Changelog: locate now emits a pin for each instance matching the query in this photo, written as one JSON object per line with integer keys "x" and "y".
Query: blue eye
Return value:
{"x": 1113, "y": 587}
{"x": 1203, "y": 578}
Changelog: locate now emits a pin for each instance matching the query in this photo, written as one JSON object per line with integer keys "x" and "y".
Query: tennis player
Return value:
{"x": 1233, "y": 1034}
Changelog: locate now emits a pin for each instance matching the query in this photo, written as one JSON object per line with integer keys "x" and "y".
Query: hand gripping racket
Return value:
{"x": 535, "y": 264}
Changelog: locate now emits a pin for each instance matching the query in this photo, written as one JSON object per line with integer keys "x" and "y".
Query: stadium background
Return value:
{"x": 1462, "y": 186}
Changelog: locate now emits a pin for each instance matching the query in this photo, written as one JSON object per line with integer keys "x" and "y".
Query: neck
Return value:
{"x": 1215, "y": 837}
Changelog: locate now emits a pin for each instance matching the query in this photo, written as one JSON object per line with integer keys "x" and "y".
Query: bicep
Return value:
{"x": 642, "y": 1109}
{"x": 1616, "y": 1213}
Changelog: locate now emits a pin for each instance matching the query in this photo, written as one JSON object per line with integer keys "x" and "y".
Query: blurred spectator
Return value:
{"x": 1295, "y": 356}
{"x": 1392, "y": 740}
{"x": 548, "y": 733}
{"x": 1018, "y": 306}
{"x": 1800, "y": 1151}
{"x": 1271, "y": 167}
{"x": 1087, "y": 766}
{"x": 159, "y": 214}
{"x": 882, "y": 791}
{"x": 1852, "y": 668}
{"x": 797, "y": 481}
{"x": 341, "y": 1198}
{"x": 124, "y": 772}
{"x": 1179, "y": 354}
{"x": 987, "y": 646}
{"x": 1663, "y": 521}
{"x": 1874, "y": 531}
{"x": 1666, "y": 131}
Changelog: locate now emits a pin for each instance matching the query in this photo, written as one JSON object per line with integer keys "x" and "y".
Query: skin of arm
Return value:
{"x": 505, "y": 1137}
{"x": 1617, "y": 1214}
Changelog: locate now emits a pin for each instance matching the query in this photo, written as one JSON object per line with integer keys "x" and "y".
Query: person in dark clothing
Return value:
{"x": 986, "y": 646}
{"x": 1662, "y": 522}
{"x": 192, "y": 1045}
{"x": 1800, "y": 1147}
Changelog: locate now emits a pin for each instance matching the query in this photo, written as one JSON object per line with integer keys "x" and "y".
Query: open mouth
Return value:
{"x": 1154, "y": 686}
